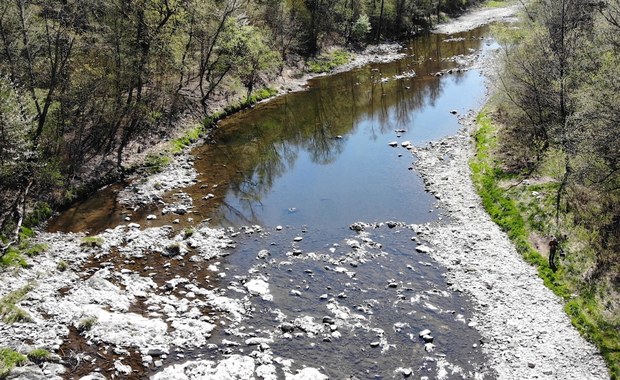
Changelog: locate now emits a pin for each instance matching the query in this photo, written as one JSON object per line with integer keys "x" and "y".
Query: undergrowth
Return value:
{"x": 519, "y": 217}
{"x": 9, "y": 311}
{"x": 8, "y": 360}
{"x": 328, "y": 62}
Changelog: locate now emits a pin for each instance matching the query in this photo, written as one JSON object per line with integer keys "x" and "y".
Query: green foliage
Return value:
{"x": 40, "y": 213}
{"x": 85, "y": 324}
{"x": 13, "y": 258}
{"x": 39, "y": 355}
{"x": 361, "y": 29}
{"x": 328, "y": 62}
{"x": 36, "y": 249}
{"x": 186, "y": 140}
{"x": 155, "y": 163}
{"x": 92, "y": 241}
{"x": 507, "y": 207}
{"x": 62, "y": 266}
{"x": 495, "y": 3}
{"x": 9, "y": 311}
{"x": 188, "y": 232}
{"x": 9, "y": 359}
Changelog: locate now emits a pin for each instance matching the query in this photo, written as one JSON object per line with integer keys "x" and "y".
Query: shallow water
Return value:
{"x": 315, "y": 162}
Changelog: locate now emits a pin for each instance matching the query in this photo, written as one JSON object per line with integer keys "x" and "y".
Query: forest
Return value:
{"x": 82, "y": 80}
{"x": 557, "y": 154}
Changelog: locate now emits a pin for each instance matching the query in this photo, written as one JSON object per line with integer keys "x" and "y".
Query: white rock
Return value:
{"x": 308, "y": 373}
{"x": 423, "y": 249}
{"x": 258, "y": 287}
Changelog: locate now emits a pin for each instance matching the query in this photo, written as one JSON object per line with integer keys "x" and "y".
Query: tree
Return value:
{"x": 245, "y": 49}
{"x": 18, "y": 160}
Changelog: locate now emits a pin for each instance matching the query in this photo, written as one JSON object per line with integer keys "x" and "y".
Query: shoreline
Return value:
{"x": 536, "y": 339}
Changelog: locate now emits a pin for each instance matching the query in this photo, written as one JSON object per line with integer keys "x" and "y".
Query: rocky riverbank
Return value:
{"x": 169, "y": 302}
{"x": 526, "y": 332}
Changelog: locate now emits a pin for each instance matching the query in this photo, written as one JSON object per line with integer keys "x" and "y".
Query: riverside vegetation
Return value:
{"x": 554, "y": 198}
{"x": 547, "y": 156}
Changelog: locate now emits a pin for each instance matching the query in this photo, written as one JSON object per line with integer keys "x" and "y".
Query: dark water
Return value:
{"x": 314, "y": 162}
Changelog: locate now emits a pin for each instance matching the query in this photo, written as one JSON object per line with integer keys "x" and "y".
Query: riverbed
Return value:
{"x": 303, "y": 244}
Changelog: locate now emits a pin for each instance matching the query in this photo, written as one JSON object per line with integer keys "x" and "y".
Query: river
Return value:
{"x": 306, "y": 166}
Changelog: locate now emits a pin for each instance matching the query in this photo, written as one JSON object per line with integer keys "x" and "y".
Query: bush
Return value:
{"x": 328, "y": 62}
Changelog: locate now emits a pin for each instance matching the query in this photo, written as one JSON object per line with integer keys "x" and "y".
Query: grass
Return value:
{"x": 518, "y": 215}
{"x": 155, "y": 163}
{"x": 92, "y": 241}
{"x": 8, "y": 360}
{"x": 9, "y": 311}
{"x": 62, "y": 266}
{"x": 13, "y": 258}
{"x": 182, "y": 142}
{"x": 495, "y": 4}
{"x": 39, "y": 355}
{"x": 85, "y": 324}
{"x": 328, "y": 62}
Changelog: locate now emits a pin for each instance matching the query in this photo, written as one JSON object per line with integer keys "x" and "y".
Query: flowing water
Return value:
{"x": 315, "y": 162}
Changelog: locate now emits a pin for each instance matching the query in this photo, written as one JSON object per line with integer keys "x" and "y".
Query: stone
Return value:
{"x": 423, "y": 249}
{"x": 429, "y": 347}
{"x": 287, "y": 327}
{"x": 308, "y": 373}
{"x": 93, "y": 376}
{"x": 31, "y": 372}
{"x": 121, "y": 368}
{"x": 258, "y": 287}
{"x": 263, "y": 254}
{"x": 424, "y": 332}
{"x": 428, "y": 338}
{"x": 298, "y": 239}
{"x": 393, "y": 144}
{"x": 151, "y": 217}
{"x": 357, "y": 227}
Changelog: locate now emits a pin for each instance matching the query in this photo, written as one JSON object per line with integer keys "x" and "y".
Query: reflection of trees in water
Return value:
{"x": 336, "y": 105}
